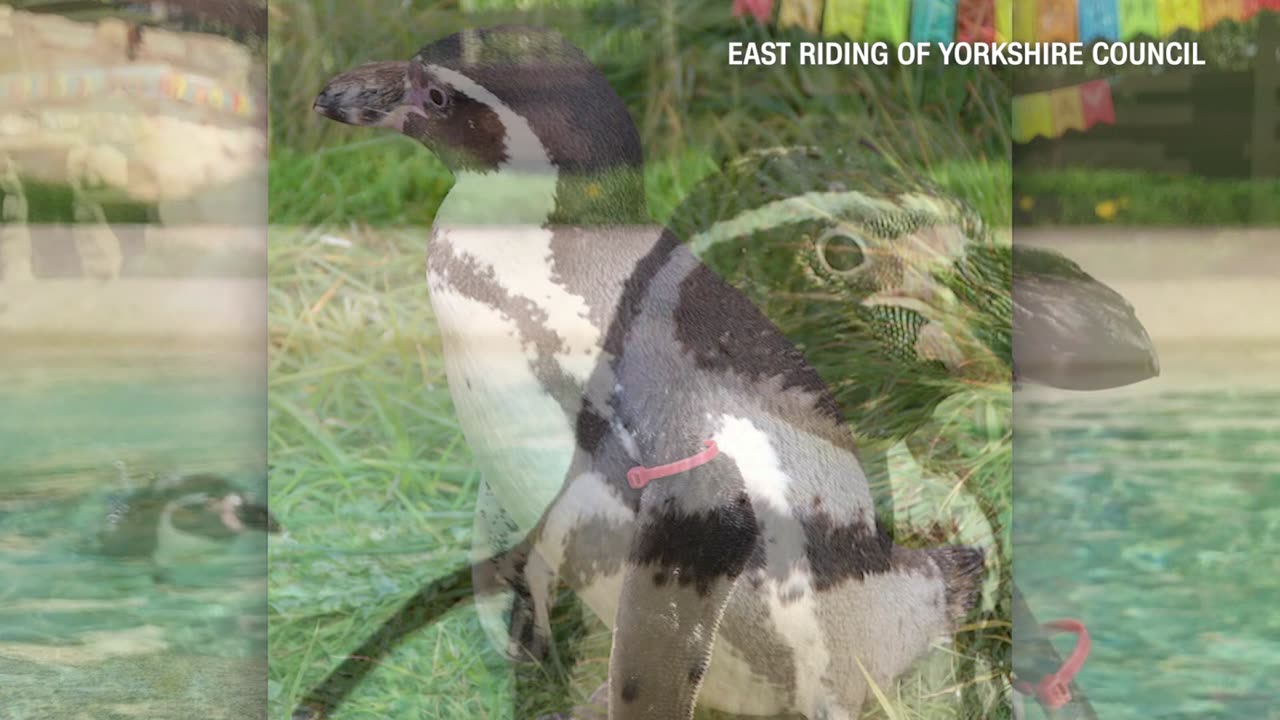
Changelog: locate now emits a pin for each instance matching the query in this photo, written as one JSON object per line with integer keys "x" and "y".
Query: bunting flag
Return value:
{"x": 1253, "y": 7}
{"x": 1057, "y": 21}
{"x": 135, "y": 80}
{"x": 846, "y": 17}
{"x": 804, "y": 14}
{"x": 1024, "y": 21}
{"x": 1177, "y": 14}
{"x": 1138, "y": 17}
{"x": 1032, "y": 116}
{"x": 1213, "y": 12}
{"x": 1096, "y": 104}
{"x": 1068, "y": 110}
{"x": 889, "y": 20}
{"x": 1004, "y": 20}
{"x": 761, "y": 10}
{"x": 1051, "y": 114}
{"x": 933, "y": 21}
{"x": 1099, "y": 20}
{"x": 976, "y": 21}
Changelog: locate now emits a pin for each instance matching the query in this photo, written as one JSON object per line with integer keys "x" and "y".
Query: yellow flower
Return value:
{"x": 593, "y": 190}
{"x": 1107, "y": 209}
{"x": 1026, "y": 202}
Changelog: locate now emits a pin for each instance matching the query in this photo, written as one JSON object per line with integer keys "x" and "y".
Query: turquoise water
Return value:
{"x": 1155, "y": 518}
{"x": 82, "y": 635}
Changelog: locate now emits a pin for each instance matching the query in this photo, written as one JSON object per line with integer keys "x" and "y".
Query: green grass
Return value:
{"x": 1126, "y": 197}
{"x": 369, "y": 475}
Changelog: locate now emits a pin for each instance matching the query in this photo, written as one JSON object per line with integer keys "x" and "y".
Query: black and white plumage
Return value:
{"x": 580, "y": 343}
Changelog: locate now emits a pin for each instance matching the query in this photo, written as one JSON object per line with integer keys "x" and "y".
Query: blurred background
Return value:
{"x": 1152, "y": 513}
{"x": 132, "y": 286}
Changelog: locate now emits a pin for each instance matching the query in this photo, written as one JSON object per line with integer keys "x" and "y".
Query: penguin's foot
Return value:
{"x": 529, "y": 642}
{"x": 596, "y": 708}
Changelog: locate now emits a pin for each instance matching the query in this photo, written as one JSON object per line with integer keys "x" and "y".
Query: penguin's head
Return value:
{"x": 905, "y": 283}
{"x": 503, "y": 99}
{"x": 844, "y": 251}
{"x": 210, "y": 506}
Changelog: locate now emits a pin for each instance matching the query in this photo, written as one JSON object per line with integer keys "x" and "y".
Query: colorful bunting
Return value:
{"x": 889, "y": 20}
{"x": 1051, "y": 114}
{"x": 805, "y": 14}
{"x": 1024, "y": 21}
{"x": 1004, "y": 20}
{"x": 1099, "y": 20}
{"x": 1032, "y": 116}
{"x": 1138, "y": 17}
{"x": 1096, "y": 103}
{"x": 1068, "y": 110}
{"x": 846, "y": 17}
{"x": 146, "y": 81}
{"x": 1253, "y": 7}
{"x": 761, "y": 10}
{"x": 933, "y": 21}
{"x": 1213, "y": 12}
{"x": 1177, "y": 14}
{"x": 976, "y": 21}
{"x": 1057, "y": 21}
{"x": 941, "y": 21}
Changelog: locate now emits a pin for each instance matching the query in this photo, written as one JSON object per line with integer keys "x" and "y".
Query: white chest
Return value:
{"x": 514, "y": 339}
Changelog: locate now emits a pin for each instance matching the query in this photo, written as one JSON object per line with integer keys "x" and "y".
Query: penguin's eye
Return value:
{"x": 437, "y": 97}
{"x": 842, "y": 252}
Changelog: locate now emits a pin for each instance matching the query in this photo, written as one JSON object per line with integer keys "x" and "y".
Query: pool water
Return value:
{"x": 1155, "y": 518}
{"x": 83, "y": 635}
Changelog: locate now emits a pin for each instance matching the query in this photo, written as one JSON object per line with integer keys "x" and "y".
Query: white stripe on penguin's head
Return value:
{"x": 523, "y": 148}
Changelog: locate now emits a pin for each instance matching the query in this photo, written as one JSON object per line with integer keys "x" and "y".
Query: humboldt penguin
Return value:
{"x": 475, "y": 100}
{"x": 583, "y": 343}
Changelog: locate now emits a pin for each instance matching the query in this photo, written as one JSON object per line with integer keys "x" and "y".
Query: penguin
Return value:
{"x": 180, "y": 519}
{"x": 374, "y": 94}
{"x": 581, "y": 342}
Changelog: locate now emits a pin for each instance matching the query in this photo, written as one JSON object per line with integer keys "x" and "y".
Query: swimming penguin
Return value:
{"x": 714, "y": 510}
{"x": 181, "y": 518}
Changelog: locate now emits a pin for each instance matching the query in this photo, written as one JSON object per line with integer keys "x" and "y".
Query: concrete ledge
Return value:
{"x": 183, "y": 310}
{"x": 147, "y": 312}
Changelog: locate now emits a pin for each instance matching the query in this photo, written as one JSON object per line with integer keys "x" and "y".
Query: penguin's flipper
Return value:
{"x": 696, "y": 534}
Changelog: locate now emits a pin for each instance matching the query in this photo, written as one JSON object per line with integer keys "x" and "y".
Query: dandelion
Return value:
{"x": 1107, "y": 209}
{"x": 1026, "y": 202}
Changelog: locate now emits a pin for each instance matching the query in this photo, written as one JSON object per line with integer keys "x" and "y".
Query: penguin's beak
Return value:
{"x": 239, "y": 513}
{"x": 1071, "y": 331}
{"x": 370, "y": 95}
{"x": 255, "y": 516}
